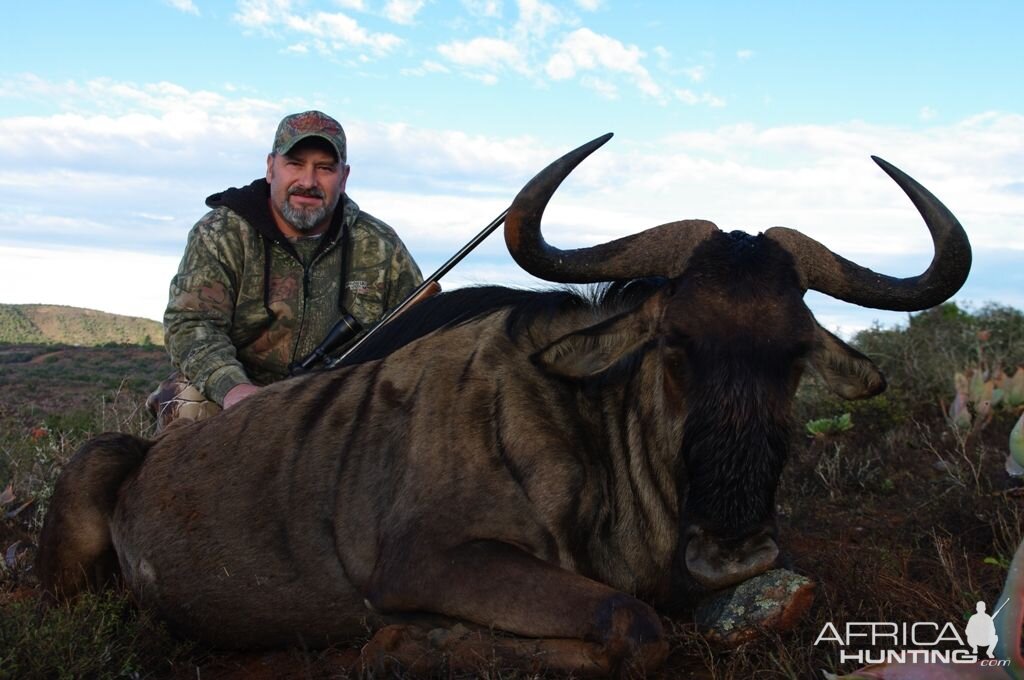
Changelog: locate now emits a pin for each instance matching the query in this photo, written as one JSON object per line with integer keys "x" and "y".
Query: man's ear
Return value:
{"x": 270, "y": 166}
{"x": 846, "y": 371}
{"x": 591, "y": 351}
{"x": 344, "y": 170}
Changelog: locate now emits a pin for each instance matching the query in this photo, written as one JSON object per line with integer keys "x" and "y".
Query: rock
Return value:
{"x": 773, "y": 601}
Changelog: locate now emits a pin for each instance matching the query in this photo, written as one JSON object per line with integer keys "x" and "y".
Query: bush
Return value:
{"x": 920, "y": 360}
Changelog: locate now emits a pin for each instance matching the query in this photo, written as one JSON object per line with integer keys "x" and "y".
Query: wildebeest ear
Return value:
{"x": 593, "y": 350}
{"x": 847, "y": 372}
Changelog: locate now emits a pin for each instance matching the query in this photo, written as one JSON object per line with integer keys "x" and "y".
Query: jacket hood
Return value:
{"x": 252, "y": 203}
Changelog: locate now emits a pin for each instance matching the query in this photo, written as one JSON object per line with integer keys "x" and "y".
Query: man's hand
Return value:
{"x": 238, "y": 393}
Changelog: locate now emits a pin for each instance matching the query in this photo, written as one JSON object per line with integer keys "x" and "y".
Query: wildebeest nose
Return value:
{"x": 719, "y": 564}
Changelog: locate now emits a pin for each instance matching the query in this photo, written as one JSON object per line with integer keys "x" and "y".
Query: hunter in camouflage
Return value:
{"x": 254, "y": 292}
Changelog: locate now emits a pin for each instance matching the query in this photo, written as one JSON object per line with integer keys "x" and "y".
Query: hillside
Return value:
{"x": 58, "y": 324}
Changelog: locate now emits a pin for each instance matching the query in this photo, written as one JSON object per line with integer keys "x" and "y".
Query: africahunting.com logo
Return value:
{"x": 921, "y": 642}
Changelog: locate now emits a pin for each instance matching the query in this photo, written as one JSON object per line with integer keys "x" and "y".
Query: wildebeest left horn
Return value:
{"x": 660, "y": 251}
{"x": 824, "y": 271}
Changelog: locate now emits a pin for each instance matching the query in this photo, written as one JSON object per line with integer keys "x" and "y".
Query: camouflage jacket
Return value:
{"x": 247, "y": 302}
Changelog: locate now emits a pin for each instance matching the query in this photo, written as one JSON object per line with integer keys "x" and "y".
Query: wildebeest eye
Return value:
{"x": 677, "y": 338}
{"x": 801, "y": 350}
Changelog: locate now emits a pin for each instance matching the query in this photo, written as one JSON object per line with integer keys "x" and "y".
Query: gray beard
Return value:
{"x": 303, "y": 219}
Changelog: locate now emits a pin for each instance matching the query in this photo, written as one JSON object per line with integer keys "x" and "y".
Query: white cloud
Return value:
{"x": 329, "y": 32}
{"x": 84, "y": 277}
{"x": 104, "y": 112}
{"x": 425, "y": 68}
{"x": 489, "y": 54}
{"x": 262, "y": 14}
{"x": 403, "y": 11}
{"x": 536, "y": 19}
{"x": 472, "y": 163}
{"x": 696, "y": 73}
{"x": 485, "y": 78}
{"x": 744, "y": 55}
{"x": 186, "y": 6}
{"x": 691, "y": 98}
{"x": 602, "y": 87}
{"x": 483, "y": 8}
{"x": 538, "y": 46}
{"x": 584, "y": 50}
{"x": 126, "y": 166}
{"x": 819, "y": 179}
{"x": 927, "y": 113}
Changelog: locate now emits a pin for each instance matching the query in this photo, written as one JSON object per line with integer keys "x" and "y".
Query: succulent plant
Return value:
{"x": 1014, "y": 389}
{"x": 1015, "y": 461}
{"x": 959, "y": 415}
{"x": 976, "y": 388}
{"x": 829, "y": 427}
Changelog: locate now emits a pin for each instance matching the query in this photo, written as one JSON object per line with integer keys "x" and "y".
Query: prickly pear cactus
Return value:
{"x": 1015, "y": 461}
{"x": 1014, "y": 389}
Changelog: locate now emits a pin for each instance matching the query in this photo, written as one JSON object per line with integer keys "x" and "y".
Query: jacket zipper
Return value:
{"x": 305, "y": 302}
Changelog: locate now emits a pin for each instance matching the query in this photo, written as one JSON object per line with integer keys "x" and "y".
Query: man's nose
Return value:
{"x": 307, "y": 176}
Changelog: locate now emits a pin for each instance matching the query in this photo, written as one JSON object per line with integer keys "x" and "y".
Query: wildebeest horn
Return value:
{"x": 822, "y": 270}
{"x": 660, "y": 251}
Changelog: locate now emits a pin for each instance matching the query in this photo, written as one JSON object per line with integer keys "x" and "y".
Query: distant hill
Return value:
{"x": 58, "y": 324}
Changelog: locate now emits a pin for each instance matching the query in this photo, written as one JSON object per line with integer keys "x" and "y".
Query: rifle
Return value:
{"x": 349, "y": 327}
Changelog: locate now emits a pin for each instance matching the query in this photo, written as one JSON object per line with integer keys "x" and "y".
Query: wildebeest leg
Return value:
{"x": 75, "y": 550}
{"x": 422, "y": 651}
{"x": 583, "y": 625}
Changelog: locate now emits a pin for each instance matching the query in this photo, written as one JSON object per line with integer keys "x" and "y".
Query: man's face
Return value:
{"x": 305, "y": 186}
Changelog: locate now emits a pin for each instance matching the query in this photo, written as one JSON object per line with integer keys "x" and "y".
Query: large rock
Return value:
{"x": 773, "y": 601}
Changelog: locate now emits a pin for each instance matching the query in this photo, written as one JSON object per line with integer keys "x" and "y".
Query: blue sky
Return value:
{"x": 117, "y": 119}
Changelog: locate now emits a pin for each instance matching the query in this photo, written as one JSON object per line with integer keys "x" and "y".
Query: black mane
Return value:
{"x": 465, "y": 304}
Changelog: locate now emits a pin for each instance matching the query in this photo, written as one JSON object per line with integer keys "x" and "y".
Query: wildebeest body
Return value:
{"x": 374, "y": 470}
{"x": 531, "y": 462}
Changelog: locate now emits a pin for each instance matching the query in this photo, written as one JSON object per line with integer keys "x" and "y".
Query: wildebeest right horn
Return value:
{"x": 660, "y": 251}
{"x": 824, "y": 271}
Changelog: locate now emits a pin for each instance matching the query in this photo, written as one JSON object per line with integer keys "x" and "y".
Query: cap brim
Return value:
{"x": 337, "y": 152}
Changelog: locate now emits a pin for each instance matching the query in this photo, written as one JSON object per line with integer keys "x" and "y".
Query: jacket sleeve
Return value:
{"x": 197, "y": 321}
{"x": 403, "y": 276}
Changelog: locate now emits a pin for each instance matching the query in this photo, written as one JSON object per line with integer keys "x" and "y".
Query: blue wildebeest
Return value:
{"x": 542, "y": 463}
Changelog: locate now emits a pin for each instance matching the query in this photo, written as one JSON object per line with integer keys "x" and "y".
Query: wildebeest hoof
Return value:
{"x": 774, "y": 601}
{"x": 398, "y": 648}
{"x": 414, "y": 650}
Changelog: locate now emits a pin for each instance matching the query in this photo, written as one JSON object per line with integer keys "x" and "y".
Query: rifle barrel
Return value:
{"x": 428, "y": 283}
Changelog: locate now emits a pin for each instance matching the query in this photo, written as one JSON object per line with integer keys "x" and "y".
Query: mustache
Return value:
{"x": 311, "y": 192}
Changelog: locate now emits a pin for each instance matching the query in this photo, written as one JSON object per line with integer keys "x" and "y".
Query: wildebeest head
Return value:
{"x": 734, "y": 336}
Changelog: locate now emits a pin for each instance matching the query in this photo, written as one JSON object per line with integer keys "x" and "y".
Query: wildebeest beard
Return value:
{"x": 735, "y": 442}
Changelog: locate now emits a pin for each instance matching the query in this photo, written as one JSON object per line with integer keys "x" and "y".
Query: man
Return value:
{"x": 270, "y": 269}
{"x": 981, "y": 631}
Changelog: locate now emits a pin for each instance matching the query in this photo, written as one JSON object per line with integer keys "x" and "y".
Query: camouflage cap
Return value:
{"x": 298, "y": 126}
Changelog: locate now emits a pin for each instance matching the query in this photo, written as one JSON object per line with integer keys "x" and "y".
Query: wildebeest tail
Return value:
{"x": 75, "y": 549}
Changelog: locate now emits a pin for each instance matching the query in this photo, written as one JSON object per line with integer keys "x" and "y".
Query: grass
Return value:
{"x": 888, "y": 510}
{"x": 100, "y": 636}
{"x": 56, "y": 397}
